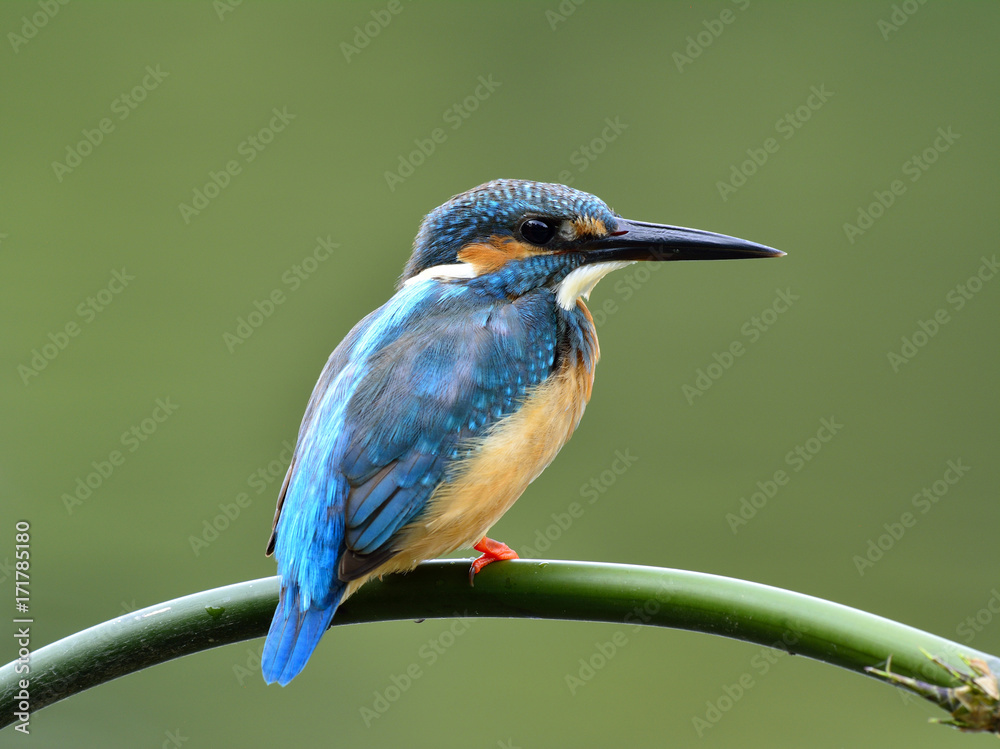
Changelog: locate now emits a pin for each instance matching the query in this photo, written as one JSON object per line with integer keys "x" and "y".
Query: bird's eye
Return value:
{"x": 537, "y": 231}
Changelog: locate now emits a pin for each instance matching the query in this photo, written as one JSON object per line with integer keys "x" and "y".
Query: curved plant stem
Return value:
{"x": 587, "y": 591}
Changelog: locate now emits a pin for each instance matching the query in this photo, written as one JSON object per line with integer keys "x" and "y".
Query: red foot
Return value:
{"x": 493, "y": 551}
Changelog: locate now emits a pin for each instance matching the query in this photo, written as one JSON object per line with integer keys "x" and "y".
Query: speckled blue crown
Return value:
{"x": 494, "y": 208}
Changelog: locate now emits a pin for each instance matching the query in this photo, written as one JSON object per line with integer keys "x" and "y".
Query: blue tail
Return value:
{"x": 293, "y": 636}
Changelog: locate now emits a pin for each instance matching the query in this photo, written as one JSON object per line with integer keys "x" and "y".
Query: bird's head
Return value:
{"x": 529, "y": 234}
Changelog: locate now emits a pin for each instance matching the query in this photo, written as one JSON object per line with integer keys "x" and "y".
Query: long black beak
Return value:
{"x": 635, "y": 240}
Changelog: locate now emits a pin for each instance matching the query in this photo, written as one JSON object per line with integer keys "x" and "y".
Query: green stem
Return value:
{"x": 585, "y": 591}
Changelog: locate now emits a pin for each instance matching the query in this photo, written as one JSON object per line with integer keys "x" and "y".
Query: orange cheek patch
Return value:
{"x": 491, "y": 256}
{"x": 589, "y": 226}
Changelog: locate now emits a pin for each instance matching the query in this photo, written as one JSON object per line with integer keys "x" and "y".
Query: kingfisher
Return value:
{"x": 439, "y": 408}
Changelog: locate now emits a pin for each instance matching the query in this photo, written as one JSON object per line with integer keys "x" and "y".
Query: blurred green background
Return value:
{"x": 665, "y": 110}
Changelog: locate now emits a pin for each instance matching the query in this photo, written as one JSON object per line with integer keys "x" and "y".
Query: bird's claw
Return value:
{"x": 493, "y": 551}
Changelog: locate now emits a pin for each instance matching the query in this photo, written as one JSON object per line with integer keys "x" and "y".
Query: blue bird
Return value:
{"x": 439, "y": 408}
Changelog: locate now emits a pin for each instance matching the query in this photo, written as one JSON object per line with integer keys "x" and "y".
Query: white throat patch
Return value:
{"x": 581, "y": 281}
{"x": 443, "y": 273}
